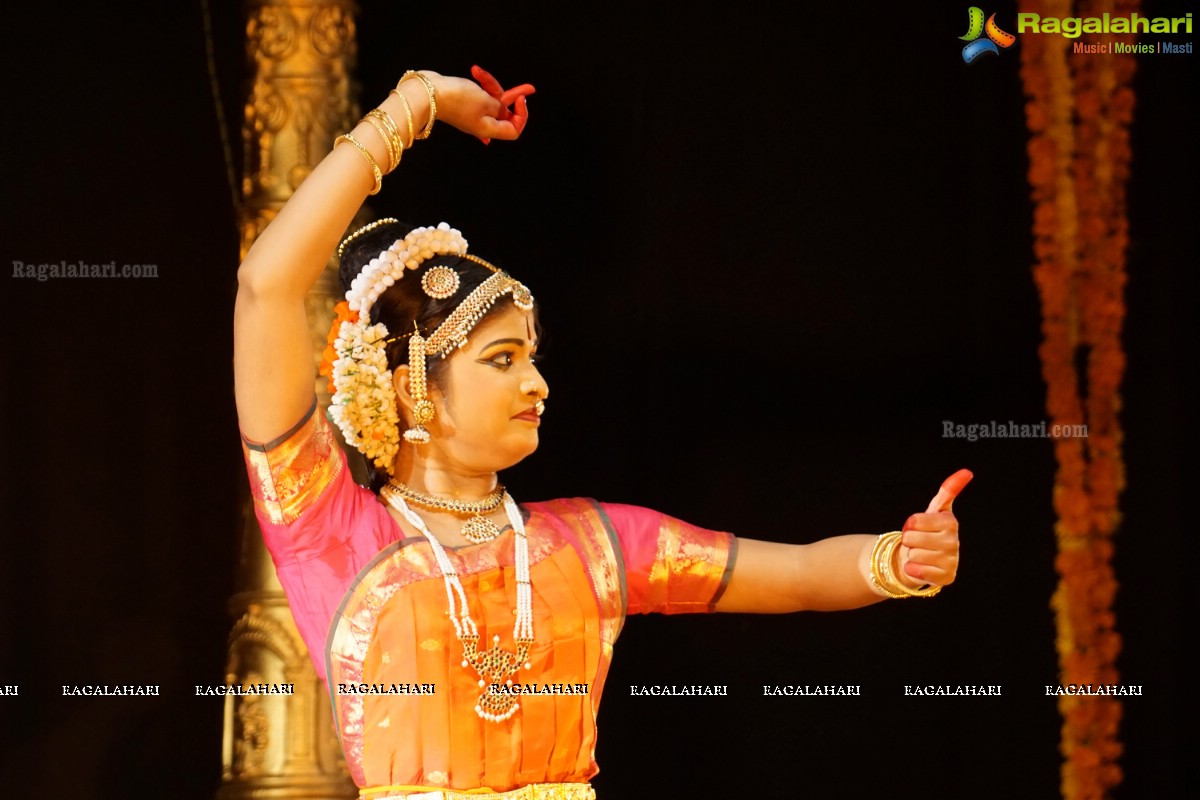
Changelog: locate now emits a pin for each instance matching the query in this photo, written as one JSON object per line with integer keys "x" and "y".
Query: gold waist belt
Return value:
{"x": 533, "y": 791}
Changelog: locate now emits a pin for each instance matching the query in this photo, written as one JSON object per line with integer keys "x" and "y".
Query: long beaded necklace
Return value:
{"x": 477, "y": 530}
{"x": 496, "y": 665}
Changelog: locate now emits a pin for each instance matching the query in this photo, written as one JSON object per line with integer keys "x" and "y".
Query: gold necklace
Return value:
{"x": 477, "y": 530}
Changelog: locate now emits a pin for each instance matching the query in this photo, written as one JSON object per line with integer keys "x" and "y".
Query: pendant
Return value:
{"x": 479, "y": 530}
{"x": 495, "y": 667}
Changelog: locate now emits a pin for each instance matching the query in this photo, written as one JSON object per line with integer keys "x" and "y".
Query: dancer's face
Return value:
{"x": 485, "y": 418}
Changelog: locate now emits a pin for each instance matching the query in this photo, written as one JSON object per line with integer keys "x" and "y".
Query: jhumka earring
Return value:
{"x": 423, "y": 410}
{"x": 438, "y": 283}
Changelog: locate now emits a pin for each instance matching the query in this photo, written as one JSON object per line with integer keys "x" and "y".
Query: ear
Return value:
{"x": 405, "y": 402}
{"x": 404, "y": 398}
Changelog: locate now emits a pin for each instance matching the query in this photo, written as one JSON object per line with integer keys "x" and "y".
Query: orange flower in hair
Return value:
{"x": 328, "y": 356}
{"x": 341, "y": 313}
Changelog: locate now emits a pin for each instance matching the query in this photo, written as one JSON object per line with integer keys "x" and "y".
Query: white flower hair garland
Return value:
{"x": 364, "y": 403}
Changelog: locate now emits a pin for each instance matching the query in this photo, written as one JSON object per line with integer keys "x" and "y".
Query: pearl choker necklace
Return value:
{"x": 495, "y": 665}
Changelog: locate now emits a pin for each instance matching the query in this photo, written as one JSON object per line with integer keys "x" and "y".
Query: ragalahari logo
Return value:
{"x": 976, "y": 27}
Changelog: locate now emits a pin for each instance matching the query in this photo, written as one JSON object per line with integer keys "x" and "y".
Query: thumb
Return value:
{"x": 944, "y": 499}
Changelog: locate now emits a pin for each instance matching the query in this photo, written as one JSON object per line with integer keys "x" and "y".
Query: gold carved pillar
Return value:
{"x": 300, "y": 97}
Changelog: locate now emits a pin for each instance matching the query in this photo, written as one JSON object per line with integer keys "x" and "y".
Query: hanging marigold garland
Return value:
{"x": 1078, "y": 112}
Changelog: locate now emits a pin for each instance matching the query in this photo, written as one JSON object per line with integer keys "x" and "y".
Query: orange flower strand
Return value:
{"x": 1078, "y": 112}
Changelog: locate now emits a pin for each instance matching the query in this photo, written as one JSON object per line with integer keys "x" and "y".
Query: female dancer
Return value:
{"x": 465, "y": 639}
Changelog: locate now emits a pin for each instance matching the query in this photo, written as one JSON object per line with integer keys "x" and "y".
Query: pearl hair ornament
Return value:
{"x": 381, "y": 272}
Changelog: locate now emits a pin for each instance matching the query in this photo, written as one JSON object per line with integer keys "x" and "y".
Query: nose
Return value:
{"x": 534, "y": 384}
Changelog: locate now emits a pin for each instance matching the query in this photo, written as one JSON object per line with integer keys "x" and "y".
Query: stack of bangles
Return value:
{"x": 389, "y": 132}
{"x": 882, "y": 557}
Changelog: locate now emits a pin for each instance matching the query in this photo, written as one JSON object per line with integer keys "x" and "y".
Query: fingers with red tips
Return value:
{"x": 508, "y": 96}
{"x": 944, "y": 499}
{"x": 485, "y": 79}
{"x": 521, "y": 115}
{"x": 956, "y": 482}
{"x": 514, "y": 96}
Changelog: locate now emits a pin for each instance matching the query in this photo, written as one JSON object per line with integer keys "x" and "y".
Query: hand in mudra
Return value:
{"x": 929, "y": 546}
{"x": 485, "y": 109}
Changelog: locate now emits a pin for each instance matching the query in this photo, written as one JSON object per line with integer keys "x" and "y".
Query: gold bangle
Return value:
{"x": 385, "y": 134}
{"x": 412, "y": 136}
{"x": 367, "y": 155}
{"x": 881, "y": 554}
{"x": 882, "y": 577}
{"x": 395, "y": 144}
{"x": 412, "y": 73}
{"x": 387, "y": 141}
{"x": 393, "y": 131}
{"x": 887, "y": 560}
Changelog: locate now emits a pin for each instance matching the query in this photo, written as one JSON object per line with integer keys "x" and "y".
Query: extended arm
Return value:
{"x": 835, "y": 573}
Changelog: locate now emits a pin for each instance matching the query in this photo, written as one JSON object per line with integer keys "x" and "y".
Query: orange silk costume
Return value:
{"x": 372, "y": 608}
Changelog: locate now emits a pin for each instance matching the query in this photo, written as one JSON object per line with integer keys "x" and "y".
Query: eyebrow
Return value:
{"x": 518, "y": 342}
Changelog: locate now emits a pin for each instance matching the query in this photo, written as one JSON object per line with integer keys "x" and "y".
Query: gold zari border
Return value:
{"x": 290, "y": 473}
{"x": 533, "y": 791}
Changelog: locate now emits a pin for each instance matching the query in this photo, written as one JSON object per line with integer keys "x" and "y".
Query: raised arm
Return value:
{"x": 836, "y": 573}
{"x": 272, "y": 358}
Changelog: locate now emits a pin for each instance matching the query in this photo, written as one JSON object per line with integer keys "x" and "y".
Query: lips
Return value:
{"x": 529, "y": 416}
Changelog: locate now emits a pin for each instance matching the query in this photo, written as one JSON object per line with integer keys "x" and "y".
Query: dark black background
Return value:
{"x": 774, "y": 251}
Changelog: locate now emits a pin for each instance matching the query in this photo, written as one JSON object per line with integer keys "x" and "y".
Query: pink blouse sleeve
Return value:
{"x": 319, "y": 526}
{"x": 671, "y": 567}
